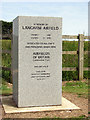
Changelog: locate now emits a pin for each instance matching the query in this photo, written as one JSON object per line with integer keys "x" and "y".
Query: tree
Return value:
{"x": 6, "y": 27}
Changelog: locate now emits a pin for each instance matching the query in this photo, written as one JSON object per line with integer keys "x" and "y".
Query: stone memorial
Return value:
{"x": 37, "y": 61}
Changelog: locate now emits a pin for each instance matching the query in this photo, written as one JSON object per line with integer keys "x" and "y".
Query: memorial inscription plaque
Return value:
{"x": 37, "y": 61}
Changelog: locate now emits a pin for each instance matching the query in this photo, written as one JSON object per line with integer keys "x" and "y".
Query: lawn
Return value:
{"x": 77, "y": 87}
{"x": 4, "y": 89}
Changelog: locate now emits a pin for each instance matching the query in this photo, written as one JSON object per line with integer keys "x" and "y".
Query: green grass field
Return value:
{"x": 78, "y": 87}
{"x": 67, "y": 61}
{"x": 4, "y": 89}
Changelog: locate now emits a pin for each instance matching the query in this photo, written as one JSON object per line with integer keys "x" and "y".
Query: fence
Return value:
{"x": 80, "y": 52}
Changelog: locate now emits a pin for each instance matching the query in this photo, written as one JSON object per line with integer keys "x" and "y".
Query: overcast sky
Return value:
{"x": 74, "y": 14}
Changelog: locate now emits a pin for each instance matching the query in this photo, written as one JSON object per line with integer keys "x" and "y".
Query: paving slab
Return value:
{"x": 10, "y": 107}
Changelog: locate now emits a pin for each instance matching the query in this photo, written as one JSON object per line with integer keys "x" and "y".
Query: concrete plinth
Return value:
{"x": 10, "y": 107}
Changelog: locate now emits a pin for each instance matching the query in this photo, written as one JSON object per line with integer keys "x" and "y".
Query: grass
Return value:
{"x": 4, "y": 89}
{"x": 6, "y": 75}
{"x": 69, "y": 75}
{"x": 73, "y": 45}
{"x": 77, "y": 87}
{"x": 6, "y": 60}
{"x": 70, "y": 45}
{"x": 72, "y": 60}
{"x": 6, "y": 44}
{"x": 74, "y": 118}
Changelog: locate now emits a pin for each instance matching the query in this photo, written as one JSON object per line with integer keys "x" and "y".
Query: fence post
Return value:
{"x": 80, "y": 56}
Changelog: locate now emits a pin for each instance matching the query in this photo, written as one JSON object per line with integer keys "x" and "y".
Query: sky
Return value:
{"x": 74, "y": 14}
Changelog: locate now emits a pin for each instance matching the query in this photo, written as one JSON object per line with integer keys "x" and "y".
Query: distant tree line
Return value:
{"x": 6, "y": 27}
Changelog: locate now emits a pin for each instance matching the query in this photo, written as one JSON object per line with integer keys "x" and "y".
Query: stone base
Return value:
{"x": 10, "y": 107}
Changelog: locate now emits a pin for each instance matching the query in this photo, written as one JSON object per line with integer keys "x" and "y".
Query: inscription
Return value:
{"x": 39, "y": 26}
{"x": 41, "y": 56}
{"x": 40, "y": 75}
